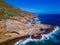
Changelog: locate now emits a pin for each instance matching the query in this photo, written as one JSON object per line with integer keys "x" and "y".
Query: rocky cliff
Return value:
{"x": 15, "y": 23}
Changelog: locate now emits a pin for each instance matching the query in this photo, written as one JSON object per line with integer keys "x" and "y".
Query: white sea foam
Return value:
{"x": 49, "y": 36}
{"x": 46, "y": 36}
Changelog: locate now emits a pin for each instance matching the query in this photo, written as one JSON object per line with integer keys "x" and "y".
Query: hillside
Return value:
{"x": 7, "y": 11}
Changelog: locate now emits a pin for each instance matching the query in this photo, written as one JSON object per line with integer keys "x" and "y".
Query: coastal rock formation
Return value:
{"x": 15, "y": 23}
{"x": 16, "y": 28}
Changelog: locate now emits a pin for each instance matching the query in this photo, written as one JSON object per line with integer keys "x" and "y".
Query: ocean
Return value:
{"x": 50, "y": 39}
{"x": 53, "y": 19}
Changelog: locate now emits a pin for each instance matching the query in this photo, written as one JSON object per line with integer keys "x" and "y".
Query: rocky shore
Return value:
{"x": 16, "y": 24}
{"x": 22, "y": 28}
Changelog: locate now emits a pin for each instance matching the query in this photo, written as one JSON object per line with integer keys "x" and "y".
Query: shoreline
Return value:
{"x": 24, "y": 30}
{"x": 13, "y": 41}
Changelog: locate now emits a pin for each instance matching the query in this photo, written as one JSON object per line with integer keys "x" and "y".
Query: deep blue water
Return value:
{"x": 53, "y": 19}
{"x": 51, "y": 39}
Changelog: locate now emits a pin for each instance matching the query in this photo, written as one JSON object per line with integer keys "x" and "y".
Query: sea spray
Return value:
{"x": 48, "y": 39}
{"x": 46, "y": 36}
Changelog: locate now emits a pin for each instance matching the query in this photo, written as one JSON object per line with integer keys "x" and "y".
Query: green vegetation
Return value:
{"x": 7, "y": 11}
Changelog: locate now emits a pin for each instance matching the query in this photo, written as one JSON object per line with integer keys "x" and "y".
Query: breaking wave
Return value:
{"x": 50, "y": 39}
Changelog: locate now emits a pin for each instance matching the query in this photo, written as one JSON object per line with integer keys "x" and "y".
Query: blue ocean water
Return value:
{"x": 53, "y": 19}
{"x": 51, "y": 39}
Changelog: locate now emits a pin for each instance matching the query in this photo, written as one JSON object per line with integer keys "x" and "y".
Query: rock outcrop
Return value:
{"x": 15, "y": 23}
{"x": 17, "y": 28}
